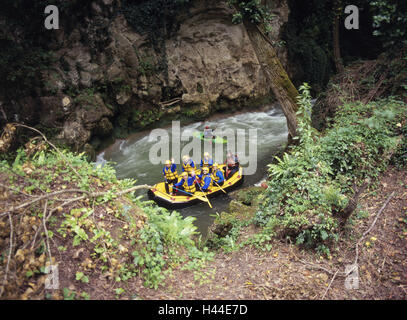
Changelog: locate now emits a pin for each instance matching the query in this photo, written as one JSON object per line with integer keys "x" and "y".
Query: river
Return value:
{"x": 130, "y": 156}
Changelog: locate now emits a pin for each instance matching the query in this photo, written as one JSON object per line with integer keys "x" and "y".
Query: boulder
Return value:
{"x": 89, "y": 152}
{"x": 103, "y": 128}
{"x": 211, "y": 57}
{"x": 91, "y": 114}
{"x": 53, "y": 109}
{"x": 74, "y": 134}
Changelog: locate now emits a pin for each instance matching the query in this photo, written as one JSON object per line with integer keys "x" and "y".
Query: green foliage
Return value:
{"x": 146, "y": 66}
{"x": 85, "y": 295}
{"x": 389, "y": 21}
{"x": 252, "y": 10}
{"x": 74, "y": 222}
{"x": 362, "y": 214}
{"x": 400, "y": 156}
{"x": 361, "y": 134}
{"x": 143, "y": 118}
{"x": 20, "y": 69}
{"x": 80, "y": 276}
{"x": 308, "y": 186}
{"x": 249, "y": 196}
{"x": 162, "y": 241}
{"x": 68, "y": 294}
{"x": 86, "y": 98}
{"x": 73, "y": 295}
{"x": 172, "y": 227}
{"x": 119, "y": 291}
{"x": 229, "y": 242}
{"x": 234, "y": 222}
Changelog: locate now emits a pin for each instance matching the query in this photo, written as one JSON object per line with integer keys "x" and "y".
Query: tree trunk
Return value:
{"x": 336, "y": 45}
{"x": 281, "y": 84}
{"x": 353, "y": 202}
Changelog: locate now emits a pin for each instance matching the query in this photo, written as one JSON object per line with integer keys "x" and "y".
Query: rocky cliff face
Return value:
{"x": 105, "y": 76}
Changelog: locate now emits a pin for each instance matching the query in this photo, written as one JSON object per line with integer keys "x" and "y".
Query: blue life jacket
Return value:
{"x": 206, "y": 181}
{"x": 218, "y": 176}
{"x": 207, "y": 163}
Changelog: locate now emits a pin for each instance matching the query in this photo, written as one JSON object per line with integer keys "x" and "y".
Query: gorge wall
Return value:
{"x": 100, "y": 76}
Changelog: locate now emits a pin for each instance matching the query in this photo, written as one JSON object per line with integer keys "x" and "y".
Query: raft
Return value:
{"x": 200, "y": 135}
{"x": 163, "y": 199}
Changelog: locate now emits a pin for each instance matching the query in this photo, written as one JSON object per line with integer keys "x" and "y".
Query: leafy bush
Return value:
{"x": 125, "y": 237}
{"x": 361, "y": 134}
{"x": 160, "y": 243}
{"x": 20, "y": 68}
{"x": 400, "y": 156}
{"x": 389, "y": 21}
{"x": 252, "y": 10}
{"x": 308, "y": 186}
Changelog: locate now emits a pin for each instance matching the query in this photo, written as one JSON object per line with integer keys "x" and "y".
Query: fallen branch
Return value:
{"x": 169, "y": 102}
{"x": 44, "y": 223}
{"x": 120, "y": 193}
{"x": 16, "y": 190}
{"x": 51, "y": 144}
{"x": 65, "y": 204}
{"x": 371, "y": 227}
{"x": 9, "y": 255}
{"x": 333, "y": 278}
{"x": 98, "y": 194}
{"x": 315, "y": 266}
{"x": 90, "y": 195}
{"x": 353, "y": 202}
{"x": 46, "y": 196}
{"x": 360, "y": 241}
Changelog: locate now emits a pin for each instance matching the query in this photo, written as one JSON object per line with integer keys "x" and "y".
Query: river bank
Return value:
{"x": 287, "y": 271}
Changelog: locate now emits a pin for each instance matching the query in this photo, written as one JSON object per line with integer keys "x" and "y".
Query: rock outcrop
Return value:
{"x": 106, "y": 76}
{"x": 211, "y": 58}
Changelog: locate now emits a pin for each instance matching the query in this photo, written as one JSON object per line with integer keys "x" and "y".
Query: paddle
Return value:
{"x": 194, "y": 195}
{"x": 219, "y": 186}
{"x": 210, "y": 205}
{"x": 167, "y": 185}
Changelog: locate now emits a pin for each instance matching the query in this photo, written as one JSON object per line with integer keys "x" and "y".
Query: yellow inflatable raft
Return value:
{"x": 162, "y": 198}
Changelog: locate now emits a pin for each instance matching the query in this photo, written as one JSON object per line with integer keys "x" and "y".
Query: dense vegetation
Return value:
{"x": 310, "y": 185}
{"x": 113, "y": 234}
{"x": 389, "y": 21}
{"x": 254, "y": 11}
{"x": 309, "y": 40}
